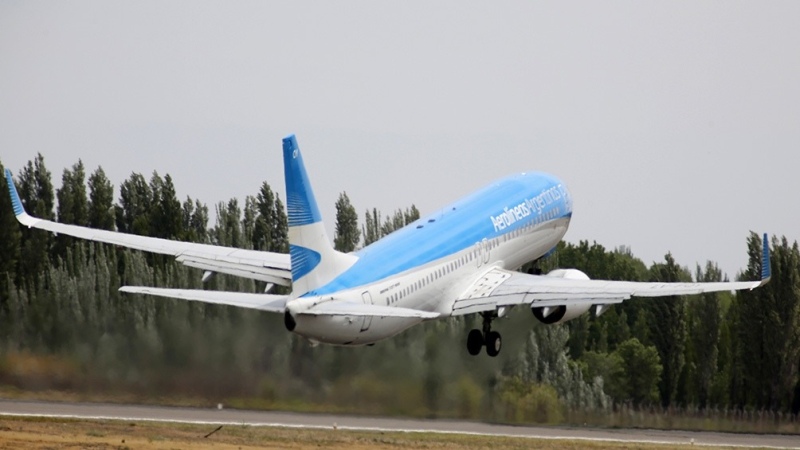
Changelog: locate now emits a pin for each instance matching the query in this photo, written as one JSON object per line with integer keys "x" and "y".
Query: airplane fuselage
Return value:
{"x": 429, "y": 264}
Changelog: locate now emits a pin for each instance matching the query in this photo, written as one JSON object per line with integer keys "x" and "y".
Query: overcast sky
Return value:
{"x": 676, "y": 125}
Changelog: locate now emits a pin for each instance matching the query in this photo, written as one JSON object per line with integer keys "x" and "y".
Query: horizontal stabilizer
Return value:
{"x": 261, "y": 302}
{"x": 364, "y": 310}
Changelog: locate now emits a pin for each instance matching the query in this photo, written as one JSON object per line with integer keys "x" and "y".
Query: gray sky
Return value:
{"x": 676, "y": 125}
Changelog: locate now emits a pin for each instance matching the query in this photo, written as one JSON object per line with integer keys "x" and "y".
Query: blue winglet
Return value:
{"x": 300, "y": 201}
{"x": 12, "y": 190}
{"x": 766, "y": 269}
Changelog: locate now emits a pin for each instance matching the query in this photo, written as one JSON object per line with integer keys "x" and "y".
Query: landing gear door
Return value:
{"x": 367, "y": 299}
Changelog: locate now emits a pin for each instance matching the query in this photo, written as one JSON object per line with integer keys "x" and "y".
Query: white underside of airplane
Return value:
{"x": 460, "y": 260}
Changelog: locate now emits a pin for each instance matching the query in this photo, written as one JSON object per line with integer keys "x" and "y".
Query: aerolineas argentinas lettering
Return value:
{"x": 512, "y": 214}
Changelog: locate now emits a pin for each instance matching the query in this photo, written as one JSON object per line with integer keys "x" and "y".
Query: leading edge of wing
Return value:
{"x": 261, "y": 302}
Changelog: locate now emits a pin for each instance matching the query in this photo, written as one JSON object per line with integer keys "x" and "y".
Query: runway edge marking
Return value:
{"x": 379, "y": 429}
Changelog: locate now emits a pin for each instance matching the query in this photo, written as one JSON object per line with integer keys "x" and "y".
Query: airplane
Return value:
{"x": 460, "y": 260}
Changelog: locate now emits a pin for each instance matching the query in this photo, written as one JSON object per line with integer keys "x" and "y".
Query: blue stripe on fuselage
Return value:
{"x": 486, "y": 214}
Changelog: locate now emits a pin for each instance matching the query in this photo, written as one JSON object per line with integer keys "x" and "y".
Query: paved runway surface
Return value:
{"x": 282, "y": 419}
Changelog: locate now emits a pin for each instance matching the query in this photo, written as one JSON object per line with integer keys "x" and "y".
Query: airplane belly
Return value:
{"x": 536, "y": 244}
{"x": 349, "y": 330}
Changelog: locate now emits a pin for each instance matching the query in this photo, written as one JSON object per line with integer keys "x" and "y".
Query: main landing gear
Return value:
{"x": 491, "y": 339}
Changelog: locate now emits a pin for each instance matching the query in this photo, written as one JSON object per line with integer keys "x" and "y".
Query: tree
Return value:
{"x": 767, "y": 330}
{"x": 166, "y": 216}
{"x": 135, "y": 202}
{"x": 668, "y": 327}
{"x": 704, "y": 334}
{"x": 347, "y": 235}
{"x": 640, "y": 372}
{"x": 371, "y": 229}
{"x": 73, "y": 207}
{"x": 228, "y": 230}
{"x": 101, "y": 201}
{"x": 195, "y": 221}
{"x": 249, "y": 219}
{"x": 270, "y": 230}
{"x": 280, "y": 229}
{"x": 609, "y": 367}
{"x": 37, "y": 196}
{"x": 411, "y": 214}
{"x": 262, "y": 232}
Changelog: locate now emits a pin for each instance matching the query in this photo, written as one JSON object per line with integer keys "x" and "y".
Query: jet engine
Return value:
{"x": 561, "y": 313}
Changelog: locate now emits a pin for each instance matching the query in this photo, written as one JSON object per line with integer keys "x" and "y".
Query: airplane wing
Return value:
{"x": 261, "y": 302}
{"x": 263, "y": 266}
{"x": 498, "y": 288}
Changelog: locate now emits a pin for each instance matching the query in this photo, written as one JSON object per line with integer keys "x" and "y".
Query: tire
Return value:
{"x": 493, "y": 343}
{"x": 474, "y": 342}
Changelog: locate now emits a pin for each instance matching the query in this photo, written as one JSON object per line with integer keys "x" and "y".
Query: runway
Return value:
{"x": 105, "y": 411}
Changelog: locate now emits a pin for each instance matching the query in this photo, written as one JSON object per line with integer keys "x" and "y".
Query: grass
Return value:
{"x": 20, "y": 433}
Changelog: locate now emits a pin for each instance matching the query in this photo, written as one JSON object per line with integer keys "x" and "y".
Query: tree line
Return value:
{"x": 64, "y": 325}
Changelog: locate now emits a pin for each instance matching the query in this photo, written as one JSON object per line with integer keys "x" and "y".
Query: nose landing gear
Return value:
{"x": 491, "y": 339}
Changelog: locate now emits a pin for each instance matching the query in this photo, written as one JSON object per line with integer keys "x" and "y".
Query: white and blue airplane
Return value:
{"x": 459, "y": 260}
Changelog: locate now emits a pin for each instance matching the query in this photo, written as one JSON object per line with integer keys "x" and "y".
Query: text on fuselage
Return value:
{"x": 513, "y": 214}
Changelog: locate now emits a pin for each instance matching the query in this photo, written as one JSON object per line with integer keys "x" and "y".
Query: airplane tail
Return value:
{"x": 314, "y": 260}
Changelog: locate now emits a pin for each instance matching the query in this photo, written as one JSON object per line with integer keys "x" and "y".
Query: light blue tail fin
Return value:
{"x": 314, "y": 260}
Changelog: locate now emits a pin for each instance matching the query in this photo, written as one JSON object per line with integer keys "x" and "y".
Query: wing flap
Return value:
{"x": 261, "y": 302}
{"x": 365, "y": 310}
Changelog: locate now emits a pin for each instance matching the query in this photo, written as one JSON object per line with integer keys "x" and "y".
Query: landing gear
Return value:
{"x": 474, "y": 342}
{"x": 491, "y": 339}
{"x": 493, "y": 343}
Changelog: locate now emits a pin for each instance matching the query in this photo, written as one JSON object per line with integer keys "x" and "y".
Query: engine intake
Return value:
{"x": 561, "y": 313}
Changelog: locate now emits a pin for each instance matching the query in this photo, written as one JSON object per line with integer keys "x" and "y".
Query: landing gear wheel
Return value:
{"x": 474, "y": 342}
{"x": 493, "y": 343}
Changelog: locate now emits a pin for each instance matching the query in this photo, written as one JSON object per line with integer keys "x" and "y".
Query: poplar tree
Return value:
{"x": 101, "y": 201}
{"x": 195, "y": 221}
{"x": 704, "y": 333}
{"x": 393, "y": 222}
{"x": 135, "y": 203}
{"x": 36, "y": 193}
{"x": 411, "y": 214}
{"x": 347, "y": 235}
{"x": 371, "y": 229}
{"x": 73, "y": 206}
{"x": 166, "y": 216}
{"x": 767, "y": 330}
{"x": 279, "y": 228}
{"x": 668, "y": 327}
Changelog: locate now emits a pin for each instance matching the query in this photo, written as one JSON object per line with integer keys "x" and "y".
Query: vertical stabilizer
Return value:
{"x": 314, "y": 261}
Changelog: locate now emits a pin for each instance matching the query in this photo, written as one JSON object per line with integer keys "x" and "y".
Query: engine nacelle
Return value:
{"x": 559, "y": 314}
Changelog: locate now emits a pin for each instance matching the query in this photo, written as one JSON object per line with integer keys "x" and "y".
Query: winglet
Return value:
{"x": 16, "y": 203}
{"x": 766, "y": 268}
{"x": 12, "y": 190}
